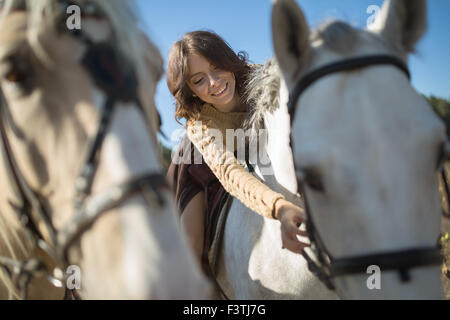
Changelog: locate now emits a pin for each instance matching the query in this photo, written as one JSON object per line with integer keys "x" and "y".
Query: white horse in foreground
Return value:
{"x": 373, "y": 146}
{"x": 134, "y": 249}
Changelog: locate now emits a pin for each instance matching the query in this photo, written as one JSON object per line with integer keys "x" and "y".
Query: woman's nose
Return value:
{"x": 213, "y": 80}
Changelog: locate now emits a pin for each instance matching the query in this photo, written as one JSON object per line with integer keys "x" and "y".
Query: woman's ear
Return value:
{"x": 290, "y": 35}
{"x": 402, "y": 23}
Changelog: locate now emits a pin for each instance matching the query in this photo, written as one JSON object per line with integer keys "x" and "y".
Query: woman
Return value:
{"x": 207, "y": 80}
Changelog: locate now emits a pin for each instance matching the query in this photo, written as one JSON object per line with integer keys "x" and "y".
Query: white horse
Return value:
{"x": 53, "y": 108}
{"x": 373, "y": 145}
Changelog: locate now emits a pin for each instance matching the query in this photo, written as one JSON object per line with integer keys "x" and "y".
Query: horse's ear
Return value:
{"x": 154, "y": 64}
{"x": 16, "y": 5}
{"x": 402, "y": 23}
{"x": 290, "y": 35}
{"x": 153, "y": 57}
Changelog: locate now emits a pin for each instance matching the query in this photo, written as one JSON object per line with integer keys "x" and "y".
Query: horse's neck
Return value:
{"x": 253, "y": 265}
{"x": 278, "y": 149}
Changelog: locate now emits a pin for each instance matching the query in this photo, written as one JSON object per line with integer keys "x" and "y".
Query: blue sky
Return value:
{"x": 245, "y": 25}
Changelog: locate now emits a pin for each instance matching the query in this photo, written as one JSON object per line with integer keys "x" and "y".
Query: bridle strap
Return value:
{"x": 324, "y": 265}
{"x": 396, "y": 260}
{"x": 29, "y": 201}
{"x": 85, "y": 217}
{"x": 83, "y": 184}
{"x": 318, "y": 268}
{"x": 341, "y": 66}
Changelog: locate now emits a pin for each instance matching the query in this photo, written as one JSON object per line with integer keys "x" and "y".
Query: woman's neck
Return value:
{"x": 236, "y": 104}
{"x": 239, "y": 106}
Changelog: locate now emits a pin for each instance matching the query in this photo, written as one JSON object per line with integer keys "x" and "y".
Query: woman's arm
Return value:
{"x": 247, "y": 188}
{"x": 232, "y": 175}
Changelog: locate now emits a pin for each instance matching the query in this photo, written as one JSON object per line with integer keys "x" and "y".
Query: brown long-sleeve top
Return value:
{"x": 232, "y": 175}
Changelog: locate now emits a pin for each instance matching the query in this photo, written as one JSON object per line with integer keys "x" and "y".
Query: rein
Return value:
{"x": 112, "y": 74}
{"x": 324, "y": 265}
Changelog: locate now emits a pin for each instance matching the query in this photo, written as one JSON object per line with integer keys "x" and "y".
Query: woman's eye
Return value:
{"x": 198, "y": 81}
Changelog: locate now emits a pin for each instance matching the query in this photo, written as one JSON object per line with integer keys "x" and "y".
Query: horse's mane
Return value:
{"x": 262, "y": 93}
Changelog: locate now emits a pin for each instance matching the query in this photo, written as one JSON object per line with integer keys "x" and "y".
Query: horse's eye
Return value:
{"x": 19, "y": 76}
{"x": 16, "y": 76}
{"x": 313, "y": 179}
{"x": 18, "y": 68}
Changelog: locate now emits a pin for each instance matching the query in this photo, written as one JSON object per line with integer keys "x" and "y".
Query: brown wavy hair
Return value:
{"x": 214, "y": 49}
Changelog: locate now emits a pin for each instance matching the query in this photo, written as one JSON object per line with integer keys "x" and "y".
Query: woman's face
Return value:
{"x": 211, "y": 84}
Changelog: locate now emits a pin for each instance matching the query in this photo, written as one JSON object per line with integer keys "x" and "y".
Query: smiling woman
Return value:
{"x": 205, "y": 57}
{"x": 221, "y": 92}
{"x": 208, "y": 81}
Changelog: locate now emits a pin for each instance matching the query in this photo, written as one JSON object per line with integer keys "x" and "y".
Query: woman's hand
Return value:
{"x": 291, "y": 217}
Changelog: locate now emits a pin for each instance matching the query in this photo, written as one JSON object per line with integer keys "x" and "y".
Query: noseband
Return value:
{"x": 113, "y": 75}
{"x": 325, "y": 266}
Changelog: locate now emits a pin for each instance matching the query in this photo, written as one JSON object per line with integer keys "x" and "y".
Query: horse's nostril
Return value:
{"x": 405, "y": 275}
{"x": 313, "y": 179}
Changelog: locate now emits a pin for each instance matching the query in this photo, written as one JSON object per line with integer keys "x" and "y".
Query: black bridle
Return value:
{"x": 111, "y": 73}
{"x": 324, "y": 265}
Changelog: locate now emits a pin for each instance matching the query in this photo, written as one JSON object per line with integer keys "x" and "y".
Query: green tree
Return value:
{"x": 166, "y": 155}
{"x": 442, "y": 108}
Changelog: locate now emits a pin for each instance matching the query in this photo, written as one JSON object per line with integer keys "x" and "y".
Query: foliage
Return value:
{"x": 166, "y": 155}
{"x": 445, "y": 243}
{"x": 442, "y": 109}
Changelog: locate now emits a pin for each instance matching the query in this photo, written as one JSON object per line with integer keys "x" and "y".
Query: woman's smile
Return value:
{"x": 221, "y": 92}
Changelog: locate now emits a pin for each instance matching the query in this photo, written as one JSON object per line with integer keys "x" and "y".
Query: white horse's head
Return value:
{"x": 134, "y": 250}
{"x": 367, "y": 145}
